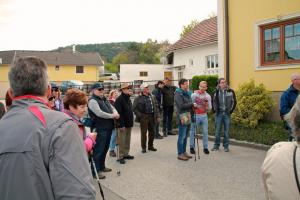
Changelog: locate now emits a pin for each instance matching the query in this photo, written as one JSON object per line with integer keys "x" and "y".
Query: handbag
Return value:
{"x": 185, "y": 118}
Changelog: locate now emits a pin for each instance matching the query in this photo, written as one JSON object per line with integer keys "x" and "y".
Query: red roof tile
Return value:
{"x": 204, "y": 33}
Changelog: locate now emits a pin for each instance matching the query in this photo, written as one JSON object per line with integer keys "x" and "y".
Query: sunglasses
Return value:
{"x": 55, "y": 90}
{"x": 99, "y": 89}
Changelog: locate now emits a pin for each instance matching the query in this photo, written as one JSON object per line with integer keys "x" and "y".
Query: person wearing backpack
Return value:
{"x": 42, "y": 155}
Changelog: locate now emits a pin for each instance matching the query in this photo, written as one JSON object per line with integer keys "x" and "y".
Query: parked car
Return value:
{"x": 108, "y": 76}
{"x": 65, "y": 85}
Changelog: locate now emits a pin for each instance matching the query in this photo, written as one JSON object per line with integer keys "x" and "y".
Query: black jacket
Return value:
{"x": 124, "y": 107}
{"x": 168, "y": 95}
{"x": 230, "y": 101}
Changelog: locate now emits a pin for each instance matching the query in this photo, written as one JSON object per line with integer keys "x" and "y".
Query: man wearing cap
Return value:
{"x": 288, "y": 98}
{"x": 102, "y": 115}
{"x": 124, "y": 106}
{"x": 146, "y": 110}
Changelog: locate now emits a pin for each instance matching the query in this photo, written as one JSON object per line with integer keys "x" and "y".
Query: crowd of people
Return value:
{"x": 46, "y": 135}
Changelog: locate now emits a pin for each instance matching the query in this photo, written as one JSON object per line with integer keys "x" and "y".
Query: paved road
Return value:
{"x": 159, "y": 175}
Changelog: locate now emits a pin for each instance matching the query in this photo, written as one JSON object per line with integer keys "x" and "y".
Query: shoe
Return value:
{"x": 192, "y": 151}
{"x": 158, "y": 137}
{"x": 112, "y": 153}
{"x": 182, "y": 157}
{"x": 206, "y": 151}
{"x": 187, "y": 155}
{"x": 152, "y": 149}
{"x": 215, "y": 149}
{"x": 129, "y": 157}
{"x": 100, "y": 175}
{"x": 106, "y": 170}
{"x": 226, "y": 149}
{"x": 171, "y": 133}
{"x": 144, "y": 151}
{"x": 121, "y": 161}
{"x": 165, "y": 135}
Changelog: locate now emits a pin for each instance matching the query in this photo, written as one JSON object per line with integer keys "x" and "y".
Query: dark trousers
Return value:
{"x": 101, "y": 147}
{"x": 167, "y": 118}
{"x": 147, "y": 124}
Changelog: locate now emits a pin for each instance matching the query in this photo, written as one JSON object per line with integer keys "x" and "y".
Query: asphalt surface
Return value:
{"x": 160, "y": 175}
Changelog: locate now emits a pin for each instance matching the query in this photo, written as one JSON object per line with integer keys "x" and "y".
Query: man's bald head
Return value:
{"x": 295, "y": 79}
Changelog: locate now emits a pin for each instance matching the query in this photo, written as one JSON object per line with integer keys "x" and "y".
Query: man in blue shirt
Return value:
{"x": 288, "y": 98}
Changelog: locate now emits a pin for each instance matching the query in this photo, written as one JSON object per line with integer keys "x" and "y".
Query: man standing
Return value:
{"x": 224, "y": 103}
{"x": 203, "y": 104}
{"x": 168, "y": 92}
{"x": 158, "y": 95}
{"x": 288, "y": 99}
{"x": 102, "y": 115}
{"x": 146, "y": 111}
{"x": 42, "y": 155}
{"x": 58, "y": 102}
{"x": 124, "y": 106}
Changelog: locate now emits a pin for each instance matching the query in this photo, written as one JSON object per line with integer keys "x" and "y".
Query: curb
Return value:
{"x": 238, "y": 142}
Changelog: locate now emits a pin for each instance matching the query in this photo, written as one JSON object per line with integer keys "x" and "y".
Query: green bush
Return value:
{"x": 266, "y": 132}
{"x": 211, "y": 80}
{"x": 253, "y": 102}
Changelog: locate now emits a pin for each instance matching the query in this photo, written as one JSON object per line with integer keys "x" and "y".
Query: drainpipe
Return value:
{"x": 226, "y": 40}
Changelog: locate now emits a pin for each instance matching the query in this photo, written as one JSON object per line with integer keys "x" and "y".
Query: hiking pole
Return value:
{"x": 195, "y": 130}
{"x": 97, "y": 177}
{"x": 198, "y": 147}
{"x": 118, "y": 151}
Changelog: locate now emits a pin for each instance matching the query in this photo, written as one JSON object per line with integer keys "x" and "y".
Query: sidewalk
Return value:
{"x": 159, "y": 175}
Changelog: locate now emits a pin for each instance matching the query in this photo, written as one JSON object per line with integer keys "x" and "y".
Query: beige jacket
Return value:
{"x": 278, "y": 172}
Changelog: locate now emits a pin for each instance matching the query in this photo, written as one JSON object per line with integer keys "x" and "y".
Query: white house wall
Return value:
{"x": 197, "y": 54}
{"x": 131, "y": 72}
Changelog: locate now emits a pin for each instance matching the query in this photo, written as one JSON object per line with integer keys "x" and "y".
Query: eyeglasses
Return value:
{"x": 55, "y": 90}
{"x": 99, "y": 89}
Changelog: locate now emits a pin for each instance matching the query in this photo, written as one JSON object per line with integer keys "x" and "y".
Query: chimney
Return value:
{"x": 0, "y": 61}
{"x": 73, "y": 48}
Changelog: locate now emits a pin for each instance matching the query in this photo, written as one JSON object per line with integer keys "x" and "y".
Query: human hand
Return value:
{"x": 93, "y": 135}
{"x": 116, "y": 116}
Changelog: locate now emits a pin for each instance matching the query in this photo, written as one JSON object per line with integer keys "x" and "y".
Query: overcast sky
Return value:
{"x": 48, "y": 24}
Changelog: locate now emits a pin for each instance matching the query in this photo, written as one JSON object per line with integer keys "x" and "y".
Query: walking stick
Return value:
{"x": 195, "y": 135}
{"x": 97, "y": 177}
{"x": 195, "y": 128}
{"x": 198, "y": 147}
{"x": 118, "y": 151}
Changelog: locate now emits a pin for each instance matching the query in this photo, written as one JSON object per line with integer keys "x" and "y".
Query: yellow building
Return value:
{"x": 62, "y": 66}
{"x": 260, "y": 40}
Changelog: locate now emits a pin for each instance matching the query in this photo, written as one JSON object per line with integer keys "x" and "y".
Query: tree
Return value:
{"x": 186, "y": 29}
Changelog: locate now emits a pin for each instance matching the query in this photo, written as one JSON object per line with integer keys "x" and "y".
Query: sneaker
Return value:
{"x": 192, "y": 151}
{"x": 152, "y": 149}
{"x": 129, "y": 157}
{"x": 158, "y": 137}
{"x": 187, "y": 155}
{"x": 182, "y": 157}
{"x": 112, "y": 153}
{"x": 106, "y": 169}
{"x": 101, "y": 175}
{"x": 206, "y": 151}
{"x": 165, "y": 135}
{"x": 226, "y": 149}
{"x": 144, "y": 151}
{"x": 121, "y": 161}
{"x": 215, "y": 149}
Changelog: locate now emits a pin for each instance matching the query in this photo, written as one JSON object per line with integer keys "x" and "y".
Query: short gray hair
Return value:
{"x": 293, "y": 117}
{"x": 28, "y": 75}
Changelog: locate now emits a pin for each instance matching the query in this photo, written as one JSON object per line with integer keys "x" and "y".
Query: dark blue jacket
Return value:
{"x": 158, "y": 95}
{"x": 287, "y": 100}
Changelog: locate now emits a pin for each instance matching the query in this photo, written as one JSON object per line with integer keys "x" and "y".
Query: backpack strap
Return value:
{"x": 295, "y": 168}
{"x": 38, "y": 114}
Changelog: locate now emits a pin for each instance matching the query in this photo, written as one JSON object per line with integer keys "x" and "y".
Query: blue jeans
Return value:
{"x": 222, "y": 118}
{"x": 112, "y": 144}
{"x": 201, "y": 120}
{"x": 101, "y": 147}
{"x": 182, "y": 138}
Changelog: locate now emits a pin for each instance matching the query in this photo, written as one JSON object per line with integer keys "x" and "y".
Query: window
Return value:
{"x": 143, "y": 73}
{"x": 280, "y": 42}
{"x": 191, "y": 62}
{"x": 212, "y": 61}
{"x": 180, "y": 75}
{"x": 79, "y": 69}
{"x": 56, "y": 67}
